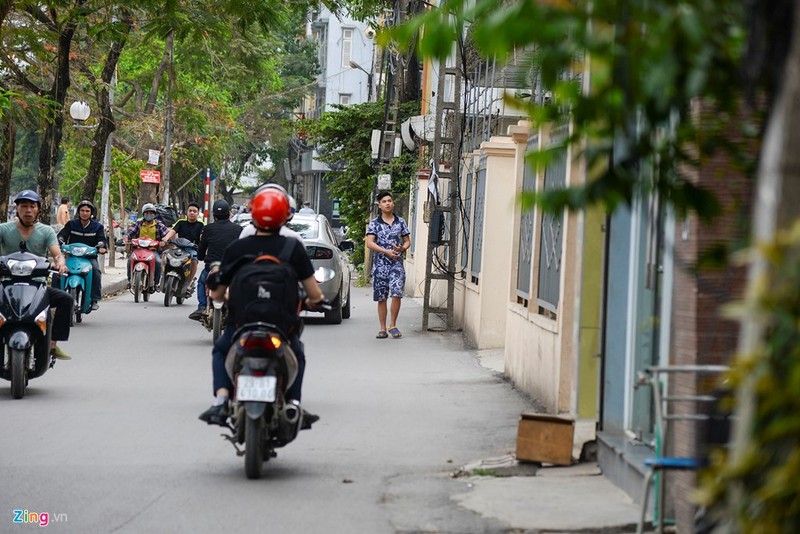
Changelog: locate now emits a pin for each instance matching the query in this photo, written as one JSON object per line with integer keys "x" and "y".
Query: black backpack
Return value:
{"x": 265, "y": 290}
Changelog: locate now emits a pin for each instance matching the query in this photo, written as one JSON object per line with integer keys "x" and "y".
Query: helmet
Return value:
{"x": 270, "y": 209}
{"x": 235, "y": 207}
{"x": 148, "y": 207}
{"x": 276, "y": 187}
{"x": 221, "y": 210}
{"x": 292, "y": 208}
{"x": 86, "y": 203}
{"x": 27, "y": 194}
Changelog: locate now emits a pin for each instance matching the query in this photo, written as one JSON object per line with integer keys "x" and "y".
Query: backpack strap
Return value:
{"x": 284, "y": 256}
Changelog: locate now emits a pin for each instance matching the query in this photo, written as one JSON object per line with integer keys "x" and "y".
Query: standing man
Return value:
{"x": 40, "y": 239}
{"x": 84, "y": 229}
{"x": 189, "y": 228}
{"x": 213, "y": 241}
{"x": 62, "y": 215}
{"x": 307, "y": 208}
{"x": 387, "y": 235}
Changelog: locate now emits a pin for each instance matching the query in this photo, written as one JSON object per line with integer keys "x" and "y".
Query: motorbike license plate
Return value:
{"x": 256, "y": 388}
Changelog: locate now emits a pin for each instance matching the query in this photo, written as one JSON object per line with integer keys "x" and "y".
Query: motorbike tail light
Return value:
{"x": 319, "y": 253}
{"x": 41, "y": 320}
{"x": 261, "y": 342}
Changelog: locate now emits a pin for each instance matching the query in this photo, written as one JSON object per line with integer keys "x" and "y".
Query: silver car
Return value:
{"x": 324, "y": 250}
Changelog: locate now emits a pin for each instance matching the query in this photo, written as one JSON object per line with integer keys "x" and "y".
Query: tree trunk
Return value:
{"x": 777, "y": 208}
{"x": 8, "y": 130}
{"x": 48, "y": 155}
{"x": 107, "y": 124}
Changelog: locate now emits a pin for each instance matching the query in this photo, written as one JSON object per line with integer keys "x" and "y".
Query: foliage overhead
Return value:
{"x": 647, "y": 63}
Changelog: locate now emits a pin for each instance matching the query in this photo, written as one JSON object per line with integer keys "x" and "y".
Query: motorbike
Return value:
{"x": 143, "y": 267}
{"x": 25, "y": 319}
{"x": 262, "y": 366}
{"x": 177, "y": 266}
{"x": 215, "y": 317}
{"x": 78, "y": 281}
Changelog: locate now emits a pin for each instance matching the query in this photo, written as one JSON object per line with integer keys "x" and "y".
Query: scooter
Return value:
{"x": 177, "y": 268}
{"x": 262, "y": 366}
{"x": 25, "y": 319}
{"x": 78, "y": 282}
{"x": 143, "y": 267}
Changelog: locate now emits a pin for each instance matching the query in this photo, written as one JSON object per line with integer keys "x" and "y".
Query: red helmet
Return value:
{"x": 270, "y": 209}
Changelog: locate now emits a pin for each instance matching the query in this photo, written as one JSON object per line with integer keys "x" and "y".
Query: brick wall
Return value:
{"x": 700, "y": 334}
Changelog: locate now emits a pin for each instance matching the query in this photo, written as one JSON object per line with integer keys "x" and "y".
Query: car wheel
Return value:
{"x": 346, "y": 307}
{"x": 335, "y": 315}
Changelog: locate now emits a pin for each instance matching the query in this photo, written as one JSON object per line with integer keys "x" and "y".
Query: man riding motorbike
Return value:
{"x": 83, "y": 229}
{"x": 270, "y": 211}
{"x": 40, "y": 239}
{"x": 189, "y": 228}
{"x": 213, "y": 241}
{"x": 148, "y": 227}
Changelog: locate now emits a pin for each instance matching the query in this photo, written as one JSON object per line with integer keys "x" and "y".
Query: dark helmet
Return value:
{"x": 221, "y": 210}
{"x": 86, "y": 203}
{"x": 27, "y": 194}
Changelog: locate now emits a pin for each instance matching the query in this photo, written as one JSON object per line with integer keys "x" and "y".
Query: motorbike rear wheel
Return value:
{"x": 169, "y": 289}
{"x": 253, "y": 447}
{"x": 216, "y": 324}
{"x": 136, "y": 285}
{"x": 17, "y": 373}
{"x": 145, "y": 289}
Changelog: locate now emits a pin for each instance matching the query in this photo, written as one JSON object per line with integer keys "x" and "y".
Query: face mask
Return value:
{"x": 149, "y": 217}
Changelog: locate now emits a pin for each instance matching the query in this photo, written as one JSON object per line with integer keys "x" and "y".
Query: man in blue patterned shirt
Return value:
{"x": 388, "y": 237}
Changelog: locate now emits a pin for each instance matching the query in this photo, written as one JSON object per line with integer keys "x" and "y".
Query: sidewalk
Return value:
{"x": 114, "y": 278}
{"x": 532, "y": 498}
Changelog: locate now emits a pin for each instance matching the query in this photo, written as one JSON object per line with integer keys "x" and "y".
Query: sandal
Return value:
{"x": 381, "y": 334}
{"x": 395, "y": 332}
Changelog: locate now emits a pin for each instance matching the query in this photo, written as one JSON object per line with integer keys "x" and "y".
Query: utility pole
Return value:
{"x": 168, "y": 126}
{"x": 443, "y": 221}
{"x": 104, "y": 196}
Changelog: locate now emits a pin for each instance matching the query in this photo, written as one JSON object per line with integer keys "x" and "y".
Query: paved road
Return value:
{"x": 112, "y": 440}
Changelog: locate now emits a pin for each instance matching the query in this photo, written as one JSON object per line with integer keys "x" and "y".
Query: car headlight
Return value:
{"x": 21, "y": 267}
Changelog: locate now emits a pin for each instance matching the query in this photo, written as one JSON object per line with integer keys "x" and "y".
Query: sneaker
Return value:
{"x": 216, "y": 415}
{"x": 95, "y": 306}
{"x": 197, "y": 314}
{"x": 58, "y": 354}
{"x": 308, "y": 420}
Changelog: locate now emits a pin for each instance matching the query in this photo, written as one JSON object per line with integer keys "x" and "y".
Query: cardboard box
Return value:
{"x": 545, "y": 439}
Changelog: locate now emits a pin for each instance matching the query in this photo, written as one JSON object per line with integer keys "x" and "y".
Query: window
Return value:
{"x": 347, "y": 47}
{"x": 344, "y": 100}
{"x": 525, "y": 257}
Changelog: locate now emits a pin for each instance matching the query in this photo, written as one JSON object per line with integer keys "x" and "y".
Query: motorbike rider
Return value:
{"x": 40, "y": 239}
{"x": 84, "y": 229}
{"x": 270, "y": 210}
{"x": 189, "y": 228}
{"x": 151, "y": 228}
{"x": 213, "y": 241}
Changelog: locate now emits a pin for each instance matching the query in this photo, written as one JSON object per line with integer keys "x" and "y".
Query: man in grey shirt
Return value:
{"x": 40, "y": 239}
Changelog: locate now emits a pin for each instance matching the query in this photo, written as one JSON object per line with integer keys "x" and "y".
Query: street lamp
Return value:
{"x": 79, "y": 111}
{"x": 355, "y": 65}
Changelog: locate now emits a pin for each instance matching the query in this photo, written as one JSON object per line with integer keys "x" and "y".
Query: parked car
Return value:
{"x": 324, "y": 250}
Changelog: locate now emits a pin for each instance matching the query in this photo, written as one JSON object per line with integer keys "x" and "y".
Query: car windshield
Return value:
{"x": 308, "y": 229}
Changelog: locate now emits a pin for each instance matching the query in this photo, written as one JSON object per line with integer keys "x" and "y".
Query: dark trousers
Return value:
{"x": 202, "y": 300}
{"x": 97, "y": 295}
{"x": 220, "y": 351}
{"x": 63, "y": 304}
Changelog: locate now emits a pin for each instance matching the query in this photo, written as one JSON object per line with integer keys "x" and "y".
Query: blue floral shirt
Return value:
{"x": 385, "y": 236}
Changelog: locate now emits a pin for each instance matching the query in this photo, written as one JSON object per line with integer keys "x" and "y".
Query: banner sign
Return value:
{"x": 153, "y": 157}
{"x": 150, "y": 177}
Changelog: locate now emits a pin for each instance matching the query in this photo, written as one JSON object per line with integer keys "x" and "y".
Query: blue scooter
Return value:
{"x": 78, "y": 281}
